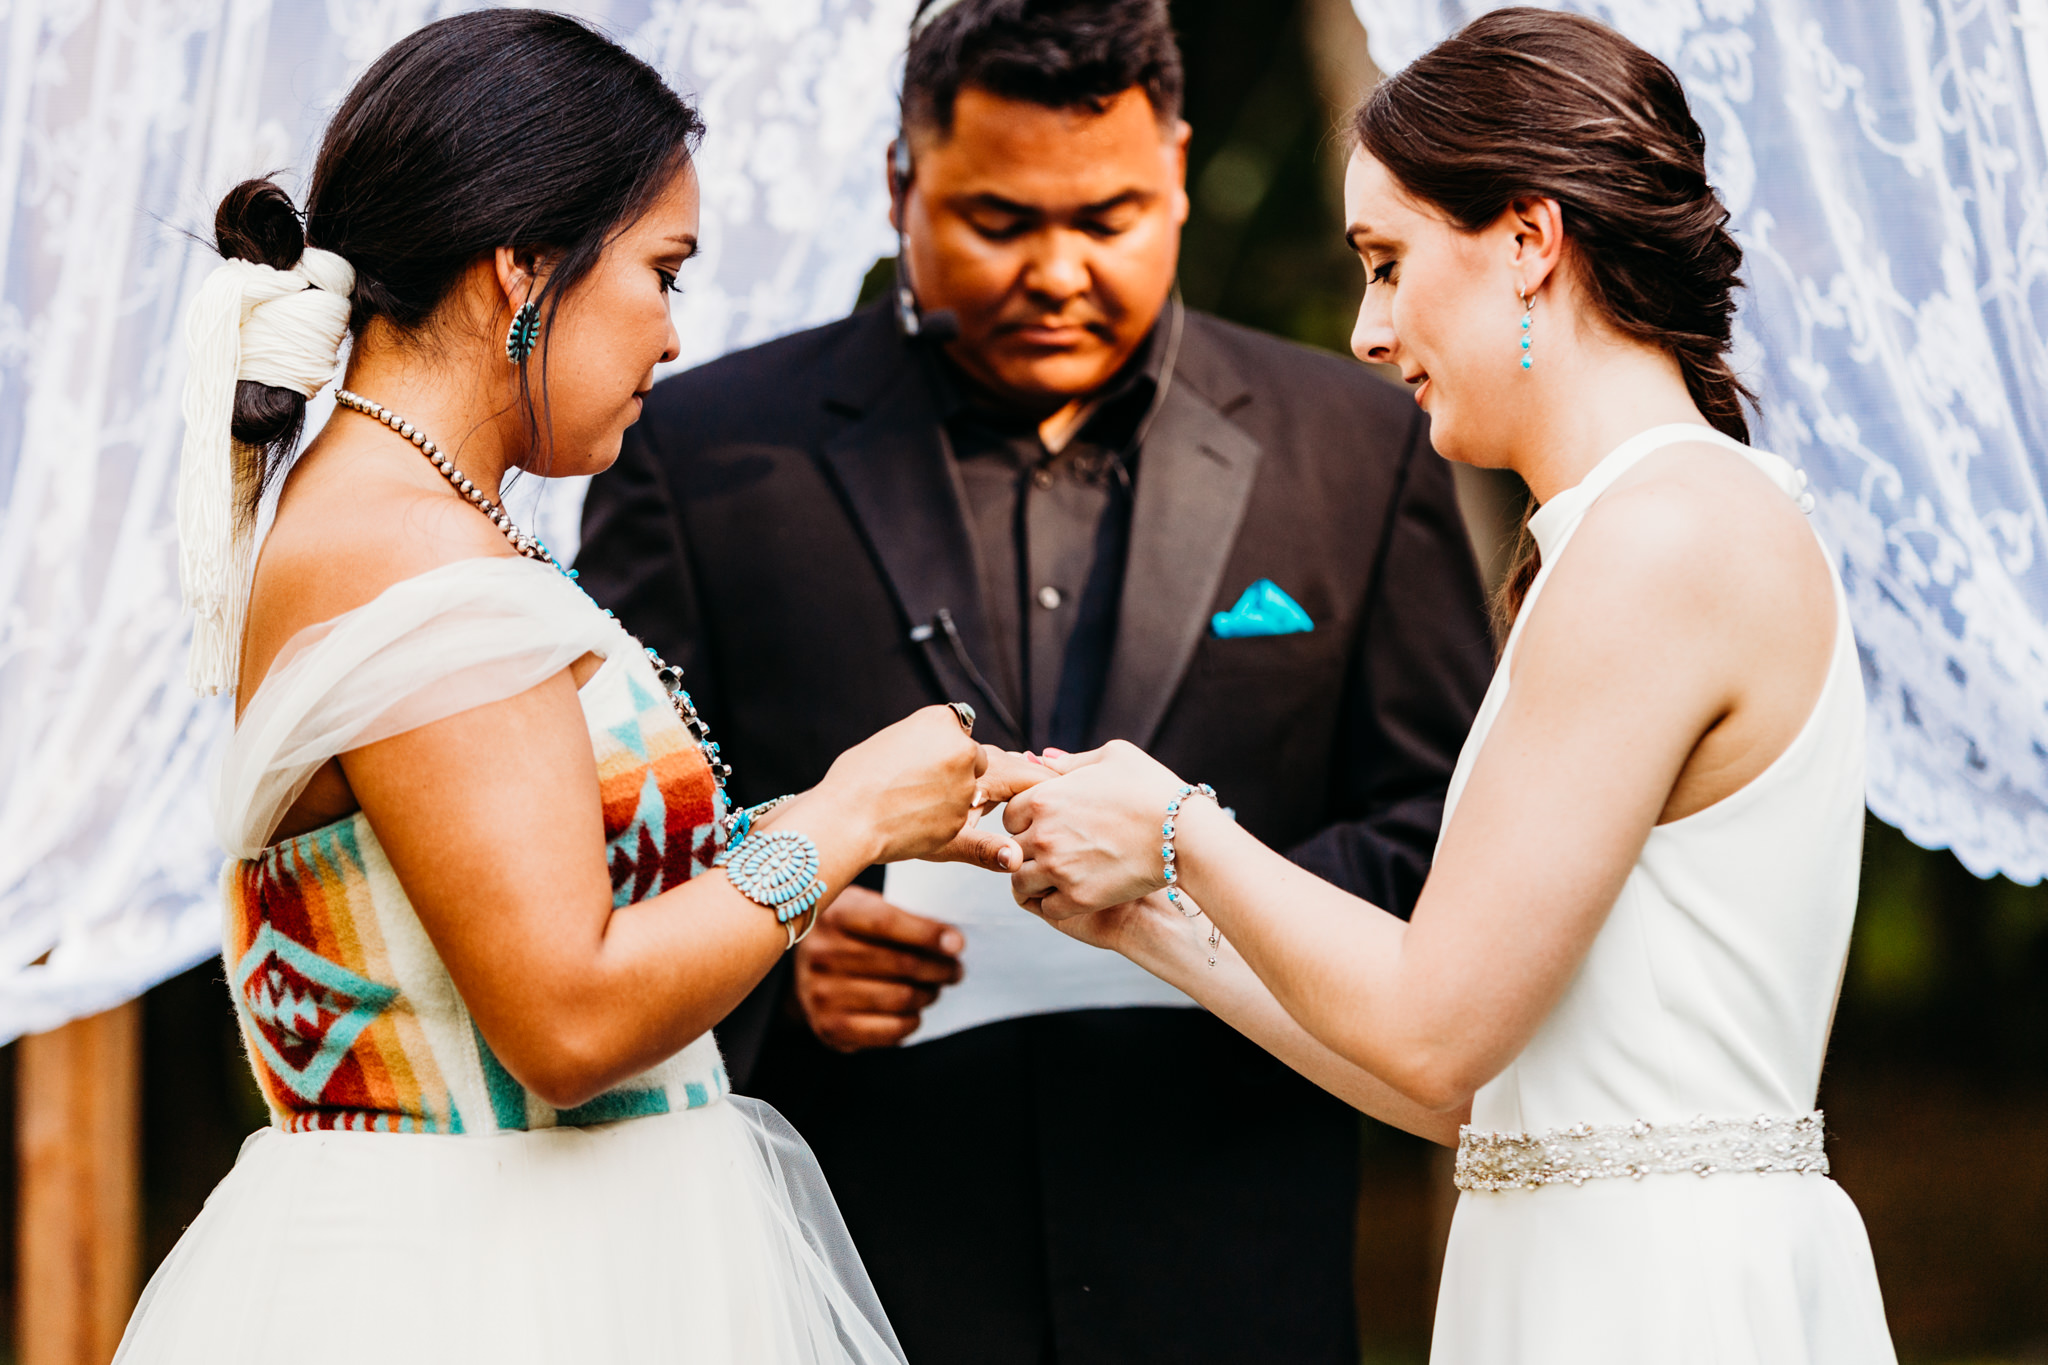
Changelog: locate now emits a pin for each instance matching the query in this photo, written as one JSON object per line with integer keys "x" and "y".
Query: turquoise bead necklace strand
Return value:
{"x": 531, "y": 547}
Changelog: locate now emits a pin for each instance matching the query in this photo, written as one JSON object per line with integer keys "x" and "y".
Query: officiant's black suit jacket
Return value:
{"x": 1110, "y": 1185}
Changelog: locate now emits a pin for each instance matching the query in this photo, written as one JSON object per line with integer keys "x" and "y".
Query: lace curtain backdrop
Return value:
{"x": 122, "y": 122}
{"x": 1884, "y": 166}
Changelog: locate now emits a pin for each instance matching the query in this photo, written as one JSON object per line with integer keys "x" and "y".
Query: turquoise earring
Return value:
{"x": 525, "y": 331}
{"x": 1528, "y": 306}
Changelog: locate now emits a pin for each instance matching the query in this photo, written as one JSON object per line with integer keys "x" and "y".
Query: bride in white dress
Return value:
{"x": 486, "y": 897}
{"x": 1616, "y": 989}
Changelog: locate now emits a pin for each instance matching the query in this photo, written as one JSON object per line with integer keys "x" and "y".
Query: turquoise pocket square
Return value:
{"x": 1263, "y": 610}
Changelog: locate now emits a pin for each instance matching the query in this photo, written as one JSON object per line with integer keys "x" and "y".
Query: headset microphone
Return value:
{"x": 938, "y": 326}
{"x": 941, "y": 324}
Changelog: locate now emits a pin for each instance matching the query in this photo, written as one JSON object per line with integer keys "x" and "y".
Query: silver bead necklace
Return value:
{"x": 531, "y": 548}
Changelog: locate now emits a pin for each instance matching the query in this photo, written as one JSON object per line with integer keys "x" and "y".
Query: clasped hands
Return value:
{"x": 1089, "y": 834}
{"x": 1081, "y": 843}
{"x": 1085, "y": 829}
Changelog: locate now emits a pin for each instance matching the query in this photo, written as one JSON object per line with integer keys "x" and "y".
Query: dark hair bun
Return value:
{"x": 411, "y": 189}
{"x": 257, "y": 222}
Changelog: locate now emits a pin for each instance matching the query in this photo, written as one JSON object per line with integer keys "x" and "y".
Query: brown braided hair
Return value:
{"x": 1529, "y": 103}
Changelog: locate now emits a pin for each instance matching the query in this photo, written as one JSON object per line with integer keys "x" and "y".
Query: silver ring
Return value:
{"x": 965, "y": 713}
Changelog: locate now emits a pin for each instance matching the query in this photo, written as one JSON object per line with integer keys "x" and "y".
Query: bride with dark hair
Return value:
{"x": 486, "y": 897}
{"x": 1621, "y": 973}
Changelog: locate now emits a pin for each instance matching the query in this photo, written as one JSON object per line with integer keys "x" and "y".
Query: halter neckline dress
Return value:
{"x": 1645, "y": 1181}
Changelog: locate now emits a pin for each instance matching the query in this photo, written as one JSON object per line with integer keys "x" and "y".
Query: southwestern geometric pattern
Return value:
{"x": 306, "y": 1010}
{"x": 661, "y": 808}
{"x": 351, "y": 1020}
{"x": 303, "y": 932}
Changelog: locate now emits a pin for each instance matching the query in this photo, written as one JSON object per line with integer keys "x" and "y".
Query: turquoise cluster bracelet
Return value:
{"x": 778, "y": 870}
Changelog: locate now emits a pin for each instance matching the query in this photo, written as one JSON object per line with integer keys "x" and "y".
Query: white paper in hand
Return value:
{"x": 1014, "y": 963}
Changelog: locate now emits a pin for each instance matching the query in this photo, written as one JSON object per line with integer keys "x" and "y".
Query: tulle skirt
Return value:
{"x": 706, "y": 1236}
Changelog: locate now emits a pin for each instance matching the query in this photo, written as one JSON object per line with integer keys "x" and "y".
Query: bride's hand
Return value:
{"x": 1122, "y": 928}
{"x": 1005, "y": 776}
{"x": 1091, "y": 837}
{"x": 916, "y": 785}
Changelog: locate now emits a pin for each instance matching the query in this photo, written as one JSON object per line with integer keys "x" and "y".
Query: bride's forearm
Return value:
{"x": 1179, "y": 955}
{"x": 1336, "y": 965}
{"x": 619, "y": 992}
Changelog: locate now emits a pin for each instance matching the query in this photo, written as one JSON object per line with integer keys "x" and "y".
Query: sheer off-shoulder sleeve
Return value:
{"x": 457, "y": 637}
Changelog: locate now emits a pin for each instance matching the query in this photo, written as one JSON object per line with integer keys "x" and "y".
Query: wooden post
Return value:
{"x": 79, "y": 1129}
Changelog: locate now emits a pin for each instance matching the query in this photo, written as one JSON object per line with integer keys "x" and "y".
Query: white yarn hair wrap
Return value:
{"x": 921, "y": 22}
{"x": 283, "y": 328}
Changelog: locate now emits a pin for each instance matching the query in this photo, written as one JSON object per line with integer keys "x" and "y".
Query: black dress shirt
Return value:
{"x": 1050, "y": 531}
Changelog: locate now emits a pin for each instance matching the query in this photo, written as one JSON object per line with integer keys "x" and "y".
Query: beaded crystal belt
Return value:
{"x": 1524, "y": 1161}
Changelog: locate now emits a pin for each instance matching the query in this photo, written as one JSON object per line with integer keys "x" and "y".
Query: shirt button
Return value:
{"x": 1049, "y": 597}
{"x": 1043, "y": 478}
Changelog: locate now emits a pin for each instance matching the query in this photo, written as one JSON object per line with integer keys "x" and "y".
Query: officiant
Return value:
{"x": 1031, "y": 480}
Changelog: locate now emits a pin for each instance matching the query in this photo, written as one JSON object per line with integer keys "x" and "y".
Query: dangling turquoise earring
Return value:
{"x": 525, "y": 331}
{"x": 1528, "y": 306}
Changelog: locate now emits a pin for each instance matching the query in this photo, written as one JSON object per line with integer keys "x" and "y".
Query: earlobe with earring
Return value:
{"x": 1528, "y": 306}
{"x": 524, "y": 332}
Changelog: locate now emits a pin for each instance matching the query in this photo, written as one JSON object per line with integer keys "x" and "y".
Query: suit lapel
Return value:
{"x": 1194, "y": 480}
{"x": 892, "y": 469}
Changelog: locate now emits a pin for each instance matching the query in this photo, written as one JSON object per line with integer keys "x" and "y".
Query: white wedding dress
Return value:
{"x": 411, "y": 1200}
{"x": 1644, "y": 1184}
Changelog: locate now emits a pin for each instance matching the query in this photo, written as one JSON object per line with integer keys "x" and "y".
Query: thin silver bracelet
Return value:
{"x": 796, "y": 935}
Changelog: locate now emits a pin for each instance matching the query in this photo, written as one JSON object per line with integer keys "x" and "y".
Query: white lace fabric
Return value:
{"x": 112, "y": 158}
{"x": 1884, "y": 167}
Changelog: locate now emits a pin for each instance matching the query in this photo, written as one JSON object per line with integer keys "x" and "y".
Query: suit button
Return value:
{"x": 1049, "y": 597}
{"x": 1043, "y": 478}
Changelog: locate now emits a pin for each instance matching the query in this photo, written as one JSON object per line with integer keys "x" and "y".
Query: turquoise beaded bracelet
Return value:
{"x": 741, "y": 823}
{"x": 1166, "y": 833}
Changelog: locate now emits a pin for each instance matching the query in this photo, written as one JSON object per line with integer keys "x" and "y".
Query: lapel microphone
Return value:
{"x": 925, "y": 635}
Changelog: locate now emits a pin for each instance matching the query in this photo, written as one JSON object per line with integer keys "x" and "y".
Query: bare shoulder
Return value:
{"x": 346, "y": 547}
{"x": 1700, "y": 526}
{"x": 347, "y": 529}
{"x": 1695, "y": 565}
